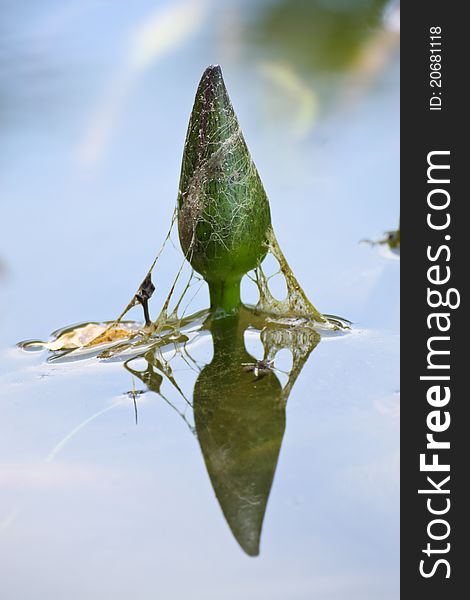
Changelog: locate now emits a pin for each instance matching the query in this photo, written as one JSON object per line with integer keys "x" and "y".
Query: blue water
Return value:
{"x": 95, "y": 110}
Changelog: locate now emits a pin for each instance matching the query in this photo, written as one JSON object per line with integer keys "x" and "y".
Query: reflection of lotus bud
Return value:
{"x": 240, "y": 422}
{"x": 223, "y": 211}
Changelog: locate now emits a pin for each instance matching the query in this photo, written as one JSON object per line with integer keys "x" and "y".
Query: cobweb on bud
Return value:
{"x": 108, "y": 340}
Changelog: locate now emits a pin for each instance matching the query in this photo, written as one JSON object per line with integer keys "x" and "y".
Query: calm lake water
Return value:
{"x": 94, "y": 103}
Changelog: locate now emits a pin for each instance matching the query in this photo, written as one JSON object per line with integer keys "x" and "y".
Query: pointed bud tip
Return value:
{"x": 213, "y": 73}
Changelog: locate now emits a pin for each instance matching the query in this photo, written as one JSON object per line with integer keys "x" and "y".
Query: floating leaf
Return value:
{"x": 86, "y": 335}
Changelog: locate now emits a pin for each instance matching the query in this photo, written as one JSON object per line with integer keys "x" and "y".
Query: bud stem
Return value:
{"x": 225, "y": 295}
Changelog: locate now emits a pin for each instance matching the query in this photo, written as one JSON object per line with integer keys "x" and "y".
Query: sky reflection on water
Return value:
{"x": 94, "y": 114}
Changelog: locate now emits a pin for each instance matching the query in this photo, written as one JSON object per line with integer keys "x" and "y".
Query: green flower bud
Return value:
{"x": 223, "y": 210}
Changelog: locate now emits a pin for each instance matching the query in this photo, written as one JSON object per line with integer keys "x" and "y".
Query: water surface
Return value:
{"x": 95, "y": 103}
